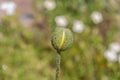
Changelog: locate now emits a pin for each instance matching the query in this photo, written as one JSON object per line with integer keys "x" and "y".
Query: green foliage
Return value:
{"x": 26, "y": 54}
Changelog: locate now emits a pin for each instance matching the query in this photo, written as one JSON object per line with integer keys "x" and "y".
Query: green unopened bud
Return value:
{"x": 62, "y": 38}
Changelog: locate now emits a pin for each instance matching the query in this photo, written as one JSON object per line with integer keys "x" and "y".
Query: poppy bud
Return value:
{"x": 62, "y": 38}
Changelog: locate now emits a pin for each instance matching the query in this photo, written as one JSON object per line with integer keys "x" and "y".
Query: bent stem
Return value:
{"x": 58, "y": 60}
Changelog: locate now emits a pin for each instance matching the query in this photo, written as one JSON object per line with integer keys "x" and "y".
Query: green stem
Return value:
{"x": 58, "y": 60}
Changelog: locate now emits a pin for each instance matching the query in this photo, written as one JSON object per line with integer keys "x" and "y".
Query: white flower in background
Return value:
{"x": 49, "y": 4}
{"x": 115, "y": 46}
{"x": 97, "y": 17}
{"x": 78, "y": 26}
{"x": 4, "y": 67}
{"x": 113, "y": 53}
{"x": 8, "y": 7}
{"x": 61, "y": 21}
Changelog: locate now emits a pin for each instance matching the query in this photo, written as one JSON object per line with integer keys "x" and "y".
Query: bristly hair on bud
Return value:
{"x": 61, "y": 39}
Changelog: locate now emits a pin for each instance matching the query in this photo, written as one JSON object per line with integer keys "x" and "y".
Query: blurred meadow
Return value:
{"x": 26, "y": 52}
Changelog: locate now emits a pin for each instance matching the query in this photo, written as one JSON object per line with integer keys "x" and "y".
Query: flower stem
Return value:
{"x": 58, "y": 60}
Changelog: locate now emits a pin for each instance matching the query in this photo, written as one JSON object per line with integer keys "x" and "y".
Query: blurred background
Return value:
{"x": 26, "y": 27}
